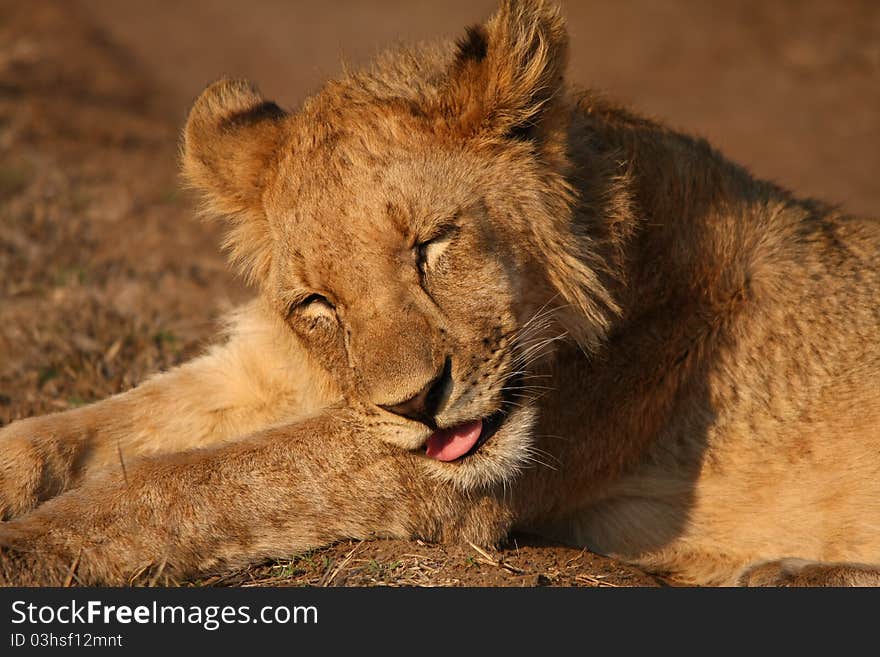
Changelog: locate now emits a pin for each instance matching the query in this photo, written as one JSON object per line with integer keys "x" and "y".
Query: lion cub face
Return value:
{"x": 410, "y": 224}
{"x": 399, "y": 276}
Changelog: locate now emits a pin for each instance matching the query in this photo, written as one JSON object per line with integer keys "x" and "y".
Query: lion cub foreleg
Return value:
{"x": 284, "y": 490}
{"x": 256, "y": 379}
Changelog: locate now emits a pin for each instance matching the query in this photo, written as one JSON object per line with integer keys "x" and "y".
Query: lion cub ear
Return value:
{"x": 230, "y": 143}
{"x": 507, "y": 71}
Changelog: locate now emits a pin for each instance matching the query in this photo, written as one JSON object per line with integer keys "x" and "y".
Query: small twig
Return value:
{"x": 140, "y": 571}
{"x": 498, "y": 563}
{"x": 596, "y": 580}
{"x": 484, "y": 554}
{"x": 158, "y": 573}
{"x": 513, "y": 569}
{"x": 341, "y": 565}
{"x": 72, "y": 572}
{"x": 573, "y": 559}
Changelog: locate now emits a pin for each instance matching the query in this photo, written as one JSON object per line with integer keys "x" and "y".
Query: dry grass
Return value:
{"x": 402, "y": 563}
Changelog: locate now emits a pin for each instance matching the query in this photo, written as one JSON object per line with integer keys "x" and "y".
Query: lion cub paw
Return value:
{"x": 800, "y": 572}
{"x": 30, "y": 470}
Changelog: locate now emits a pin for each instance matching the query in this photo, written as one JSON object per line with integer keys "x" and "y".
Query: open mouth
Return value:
{"x": 461, "y": 441}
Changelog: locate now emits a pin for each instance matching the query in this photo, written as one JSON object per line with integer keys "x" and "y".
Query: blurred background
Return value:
{"x": 791, "y": 88}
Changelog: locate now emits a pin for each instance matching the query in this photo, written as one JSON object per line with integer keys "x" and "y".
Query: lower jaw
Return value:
{"x": 503, "y": 459}
{"x": 491, "y": 425}
{"x": 494, "y": 422}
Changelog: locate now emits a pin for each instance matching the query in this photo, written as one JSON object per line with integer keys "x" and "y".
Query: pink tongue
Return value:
{"x": 455, "y": 442}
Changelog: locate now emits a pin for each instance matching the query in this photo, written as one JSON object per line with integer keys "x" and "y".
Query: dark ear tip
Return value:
{"x": 224, "y": 105}
{"x": 474, "y": 46}
{"x": 234, "y": 93}
{"x": 224, "y": 99}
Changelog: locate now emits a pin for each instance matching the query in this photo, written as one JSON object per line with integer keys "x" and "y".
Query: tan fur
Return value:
{"x": 698, "y": 351}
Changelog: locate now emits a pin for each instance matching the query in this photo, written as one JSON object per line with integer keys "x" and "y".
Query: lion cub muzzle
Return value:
{"x": 425, "y": 404}
{"x": 449, "y": 444}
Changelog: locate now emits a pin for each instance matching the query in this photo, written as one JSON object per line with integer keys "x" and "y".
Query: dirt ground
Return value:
{"x": 106, "y": 278}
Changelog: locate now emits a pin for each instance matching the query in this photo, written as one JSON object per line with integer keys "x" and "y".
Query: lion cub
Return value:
{"x": 487, "y": 302}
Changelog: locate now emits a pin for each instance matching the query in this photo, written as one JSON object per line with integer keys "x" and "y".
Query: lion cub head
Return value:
{"x": 412, "y": 225}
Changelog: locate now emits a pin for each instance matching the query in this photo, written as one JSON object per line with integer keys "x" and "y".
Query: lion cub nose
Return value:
{"x": 425, "y": 404}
